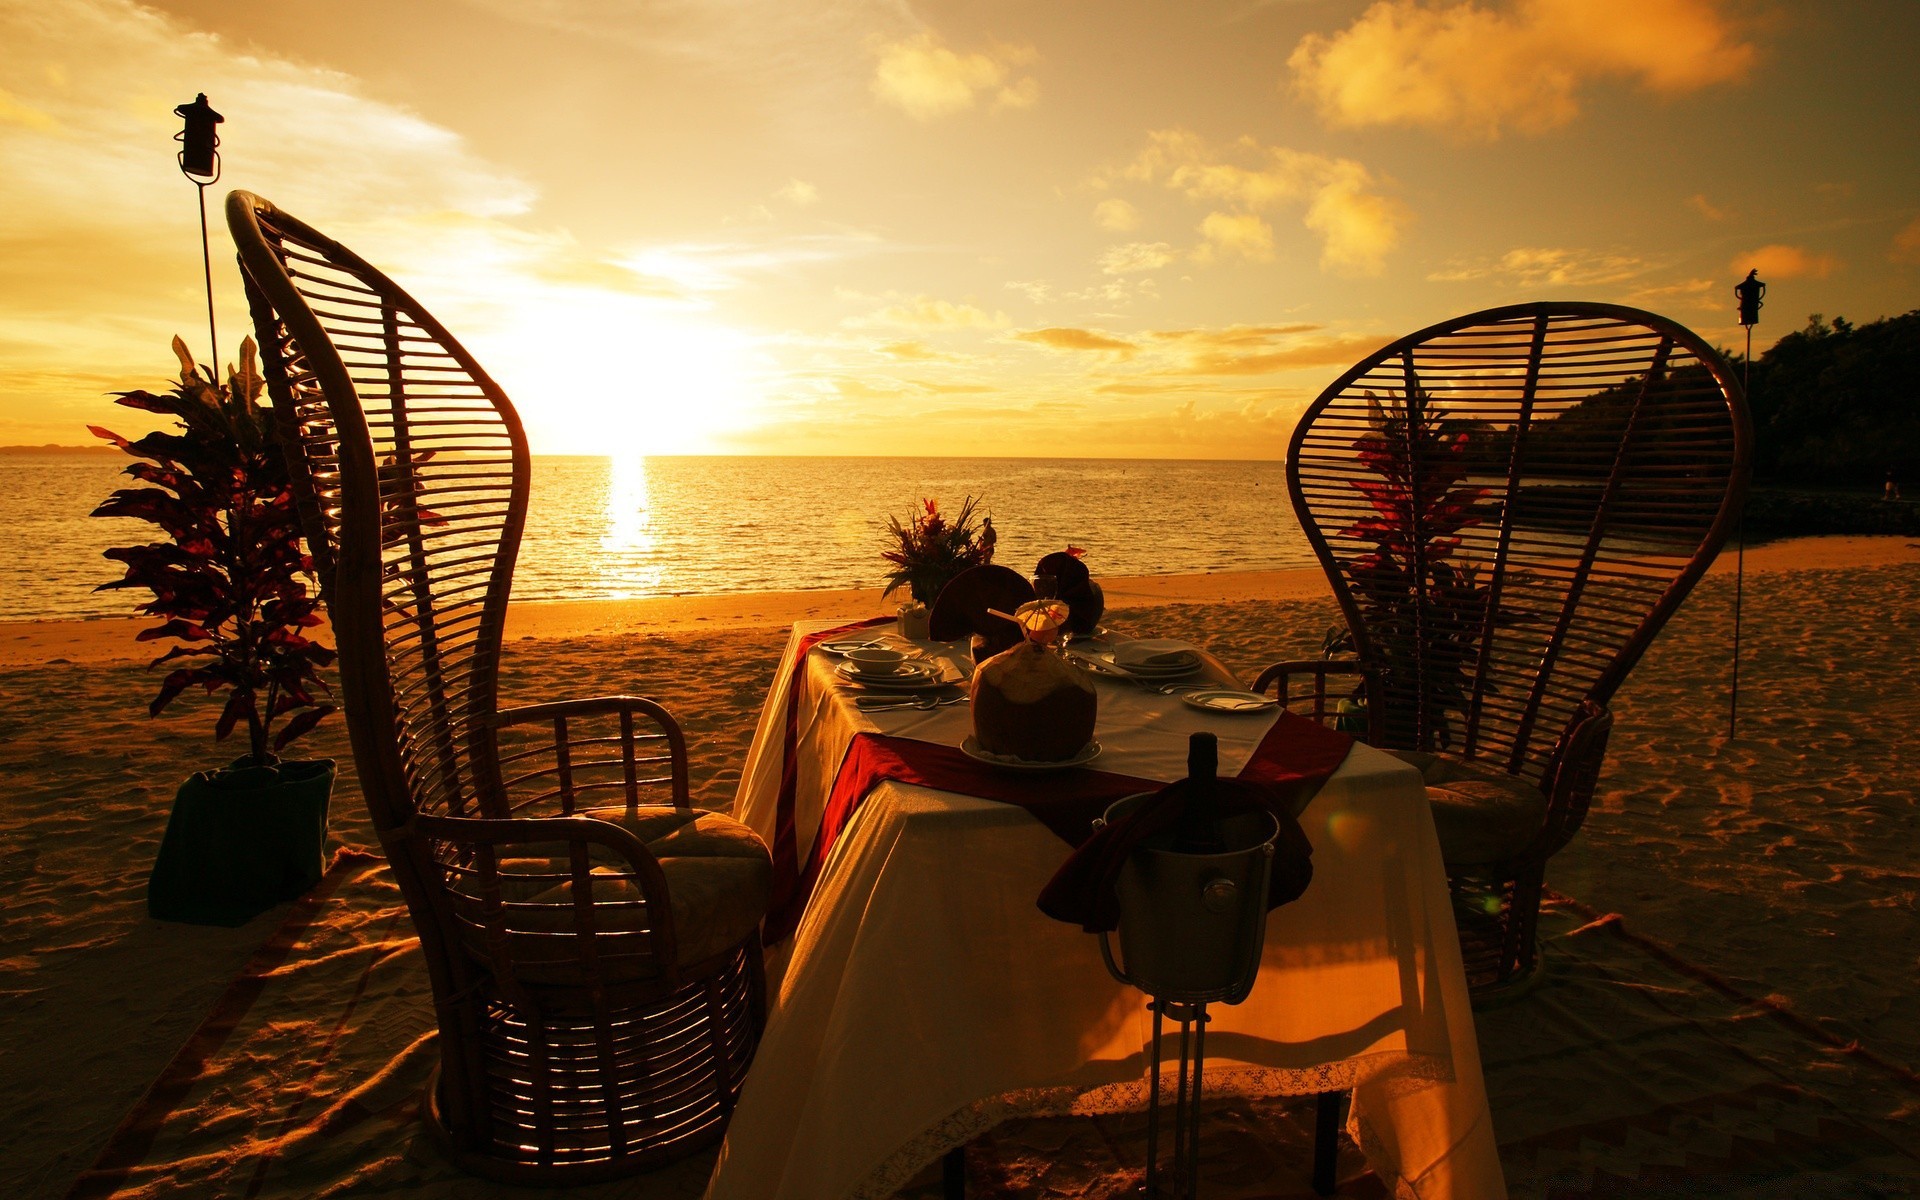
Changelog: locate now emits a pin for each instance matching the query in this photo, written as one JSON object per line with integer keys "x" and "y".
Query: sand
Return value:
{"x": 1776, "y": 867}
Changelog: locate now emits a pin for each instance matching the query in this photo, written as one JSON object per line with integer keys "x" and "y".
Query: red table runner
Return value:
{"x": 1295, "y": 757}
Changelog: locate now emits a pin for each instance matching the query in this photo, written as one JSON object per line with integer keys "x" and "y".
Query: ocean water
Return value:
{"x": 622, "y": 528}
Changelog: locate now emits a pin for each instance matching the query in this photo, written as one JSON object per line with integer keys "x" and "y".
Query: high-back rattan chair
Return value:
{"x": 1509, "y": 505}
{"x": 591, "y": 938}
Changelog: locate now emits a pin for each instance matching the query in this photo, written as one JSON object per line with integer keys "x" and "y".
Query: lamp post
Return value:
{"x": 1748, "y": 292}
{"x": 200, "y": 162}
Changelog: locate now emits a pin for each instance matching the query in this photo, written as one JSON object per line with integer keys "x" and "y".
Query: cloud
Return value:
{"x": 799, "y": 193}
{"x": 13, "y": 112}
{"x": 925, "y": 79}
{"x": 1116, "y": 215}
{"x": 1266, "y": 349}
{"x": 912, "y": 351}
{"x": 1706, "y": 208}
{"x": 721, "y": 266}
{"x": 1077, "y": 339}
{"x": 100, "y": 258}
{"x": 1136, "y": 256}
{"x": 925, "y": 312}
{"x": 1785, "y": 262}
{"x": 1547, "y": 266}
{"x": 1357, "y": 224}
{"x": 1242, "y": 234}
{"x": 1694, "y": 293}
{"x": 1473, "y": 71}
{"x": 1906, "y": 244}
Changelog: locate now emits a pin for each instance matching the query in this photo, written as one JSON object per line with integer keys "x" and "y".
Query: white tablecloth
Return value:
{"x": 926, "y": 998}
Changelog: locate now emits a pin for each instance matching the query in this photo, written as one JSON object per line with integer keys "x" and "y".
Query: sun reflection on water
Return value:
{"x": 629, "y": 563}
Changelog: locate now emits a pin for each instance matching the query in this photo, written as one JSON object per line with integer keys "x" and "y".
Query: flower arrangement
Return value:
{"x": 231, "y": 581}
{"x": 929, "y": 550}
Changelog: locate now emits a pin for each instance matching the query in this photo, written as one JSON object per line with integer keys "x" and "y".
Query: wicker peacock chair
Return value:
{"x": 591, "y": 938}
{"x": 1509, "y": 505}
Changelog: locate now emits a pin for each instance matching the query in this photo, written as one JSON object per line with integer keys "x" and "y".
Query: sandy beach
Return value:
{"x": 1769, "y": 873}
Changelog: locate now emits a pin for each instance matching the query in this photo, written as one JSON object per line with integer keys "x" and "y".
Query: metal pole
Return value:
{"x": 1153, "y": 1110}
{"x": 1193, "y": 1111}
{"x": 206, "y": 260}
{"x": 1739, "y": 566}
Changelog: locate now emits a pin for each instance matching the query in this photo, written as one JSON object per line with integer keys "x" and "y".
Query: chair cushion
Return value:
{"x": 1482, "y": 814}
{"x": 719, "y": 882}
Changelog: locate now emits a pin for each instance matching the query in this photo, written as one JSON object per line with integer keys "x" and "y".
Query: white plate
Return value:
{"x": 840, "y": 647}
{"x": 1161, "y": 672}
{"x": 1227, "y": 700}
{"x": 971, "y": 749}
{"x": 923, "y": 675}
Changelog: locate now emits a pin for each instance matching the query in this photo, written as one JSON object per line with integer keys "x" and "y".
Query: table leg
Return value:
{"x": 1326, "y": 1142}
{"x": 953, "y": 1174}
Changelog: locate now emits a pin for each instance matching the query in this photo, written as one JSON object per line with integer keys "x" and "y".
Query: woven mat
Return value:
{"x": 1627, "y": 1073}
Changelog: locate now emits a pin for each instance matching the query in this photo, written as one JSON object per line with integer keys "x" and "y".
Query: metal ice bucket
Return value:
{"x": 1192, "y": 925}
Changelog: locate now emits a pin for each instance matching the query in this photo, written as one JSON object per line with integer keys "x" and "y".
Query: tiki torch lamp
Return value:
{"x": 200, "y": 162}
{"x": 1748, "y": 292}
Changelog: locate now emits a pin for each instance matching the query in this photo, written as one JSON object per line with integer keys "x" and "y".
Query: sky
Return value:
{"x": 969, "y": 227}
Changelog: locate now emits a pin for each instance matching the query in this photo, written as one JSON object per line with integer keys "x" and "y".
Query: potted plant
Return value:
{"x": 928, "y": 551}
{"x": 231, "y": 584}
{"x": 1420, "y": 503}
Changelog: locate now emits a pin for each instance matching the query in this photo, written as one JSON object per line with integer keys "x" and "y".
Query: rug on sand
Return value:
{"x": 1628, "y": 1072}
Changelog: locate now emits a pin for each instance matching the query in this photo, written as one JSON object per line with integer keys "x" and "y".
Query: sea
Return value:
{"x": 618, "y": 528}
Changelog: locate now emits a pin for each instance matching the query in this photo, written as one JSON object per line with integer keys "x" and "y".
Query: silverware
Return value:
{"x": 1114, "y": 671}
{"x": 924, "y": 703}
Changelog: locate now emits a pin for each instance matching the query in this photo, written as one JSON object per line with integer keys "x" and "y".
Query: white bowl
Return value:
{"x": 877, "y": 660}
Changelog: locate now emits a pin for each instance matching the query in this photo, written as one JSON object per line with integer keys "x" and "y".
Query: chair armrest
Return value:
{"x": 1317, "y": 702}
{"x": 1573, "y": 773}
{"x": 601, "y": 747}
{"x": 534, "y": 882}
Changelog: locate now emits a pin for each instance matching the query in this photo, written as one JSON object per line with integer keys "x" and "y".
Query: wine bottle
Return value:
{"x": 1198, "y": 829}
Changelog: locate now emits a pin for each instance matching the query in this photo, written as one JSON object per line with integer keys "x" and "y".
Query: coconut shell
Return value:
{"x": 1032, "y": 704}
{"x": 961, "y": 608}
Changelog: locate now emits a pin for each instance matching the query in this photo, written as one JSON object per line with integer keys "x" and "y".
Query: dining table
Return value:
{"x": 918, "y": 997}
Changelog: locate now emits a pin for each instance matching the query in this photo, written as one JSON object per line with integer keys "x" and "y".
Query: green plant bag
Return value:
{"x": 241, "y": 840}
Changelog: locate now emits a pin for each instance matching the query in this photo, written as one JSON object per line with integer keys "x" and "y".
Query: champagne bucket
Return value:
{"x": 1192, "y": 925}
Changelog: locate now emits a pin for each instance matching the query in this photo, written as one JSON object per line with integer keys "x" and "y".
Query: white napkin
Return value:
{"x": 1155, "y": 652}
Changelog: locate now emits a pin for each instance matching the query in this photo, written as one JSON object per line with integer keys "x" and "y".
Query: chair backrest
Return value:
{"x": 412, "y": 474}
{"x": 1509, "y": 505}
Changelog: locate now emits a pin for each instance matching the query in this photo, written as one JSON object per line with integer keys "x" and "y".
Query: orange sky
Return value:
{"x": 867, "y": 226}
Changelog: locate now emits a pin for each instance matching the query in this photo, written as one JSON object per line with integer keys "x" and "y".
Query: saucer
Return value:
{"x": 971, "y": 749}
{"x": 1229, "y": 700}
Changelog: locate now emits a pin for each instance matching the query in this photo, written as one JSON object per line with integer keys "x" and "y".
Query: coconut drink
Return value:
{"x": 1028, "y": 702}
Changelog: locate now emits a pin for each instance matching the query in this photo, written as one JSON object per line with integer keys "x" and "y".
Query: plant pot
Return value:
{"x": 241, "y": 840}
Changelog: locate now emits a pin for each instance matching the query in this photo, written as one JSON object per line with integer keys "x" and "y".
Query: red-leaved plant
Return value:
{"x": 1421, "y": 607}
{"x": 231, "y": 581}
